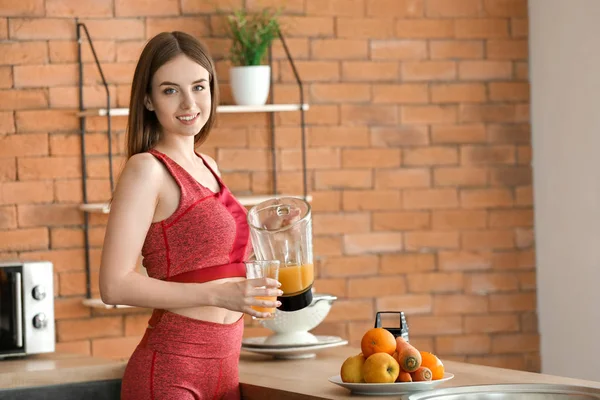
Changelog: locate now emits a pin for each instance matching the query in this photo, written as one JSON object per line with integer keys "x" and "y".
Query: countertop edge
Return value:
{"x": 261, "y": 377}
{"x": 250, "y": 391}
{"x": 45, "y": 371}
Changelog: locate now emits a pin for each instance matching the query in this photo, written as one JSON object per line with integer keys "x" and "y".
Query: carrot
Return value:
{"x": 408, "y": 356}
{"x": 404, "y": 377}
{"x": 421, "y": 374}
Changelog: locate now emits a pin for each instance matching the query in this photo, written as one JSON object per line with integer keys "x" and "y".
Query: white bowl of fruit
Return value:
{"x": 389, "y": 365}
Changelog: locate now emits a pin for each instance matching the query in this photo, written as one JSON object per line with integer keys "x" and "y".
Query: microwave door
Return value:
{"x": 18, "y": 284}
{"x": 11, "y": 311}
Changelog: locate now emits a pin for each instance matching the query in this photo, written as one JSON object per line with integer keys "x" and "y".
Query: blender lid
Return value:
{"x": 279, "y": 207}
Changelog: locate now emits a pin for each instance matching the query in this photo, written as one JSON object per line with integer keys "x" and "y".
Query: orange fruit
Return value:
{"x": 430, "y": 361}
{"x": 377, "y": 340}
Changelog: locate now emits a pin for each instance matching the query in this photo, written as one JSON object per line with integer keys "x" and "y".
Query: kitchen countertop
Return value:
{"x": 261, "y": 377}
{"x": 53, "y": 369}
{"x": 266, "y": 378}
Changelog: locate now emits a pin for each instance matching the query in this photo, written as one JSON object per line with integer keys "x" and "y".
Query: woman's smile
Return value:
{"x": 188, "y": 119}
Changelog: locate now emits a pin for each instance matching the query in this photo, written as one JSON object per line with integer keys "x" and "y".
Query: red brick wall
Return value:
{"x": 419, "y": 158}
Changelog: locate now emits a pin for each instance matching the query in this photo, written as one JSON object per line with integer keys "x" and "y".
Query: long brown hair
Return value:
{"x": 143, "y": 128}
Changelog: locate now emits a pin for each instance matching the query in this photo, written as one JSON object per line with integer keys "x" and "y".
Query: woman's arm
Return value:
{"x": 131, "y": 214}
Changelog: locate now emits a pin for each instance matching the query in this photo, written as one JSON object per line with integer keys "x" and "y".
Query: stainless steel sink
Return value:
{"x": 508, "y": 392}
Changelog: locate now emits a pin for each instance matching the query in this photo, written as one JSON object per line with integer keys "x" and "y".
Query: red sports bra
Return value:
{"x": 206, "y": 238}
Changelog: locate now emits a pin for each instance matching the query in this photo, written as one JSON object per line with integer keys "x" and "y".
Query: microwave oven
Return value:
{"x": 26, "y": 308}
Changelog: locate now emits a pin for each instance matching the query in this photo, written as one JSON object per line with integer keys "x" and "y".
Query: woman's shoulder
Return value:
{"x": 144, "y": 166}
{"x": 139, "y": 181}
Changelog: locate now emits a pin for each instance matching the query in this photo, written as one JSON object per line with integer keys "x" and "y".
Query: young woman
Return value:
{"x": 171, "y": 205}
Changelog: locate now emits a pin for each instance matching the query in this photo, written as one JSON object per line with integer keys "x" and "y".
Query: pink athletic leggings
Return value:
{"x": 181, "y": 358}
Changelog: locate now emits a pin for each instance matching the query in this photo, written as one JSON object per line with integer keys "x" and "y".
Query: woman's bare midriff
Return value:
{"x": 211, "y": 314}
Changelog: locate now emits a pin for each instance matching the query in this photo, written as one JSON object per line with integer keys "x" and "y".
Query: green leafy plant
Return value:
{"x": 252, "y": 33}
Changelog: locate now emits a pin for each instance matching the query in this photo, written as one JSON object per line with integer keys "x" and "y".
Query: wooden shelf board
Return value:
{"x": 102, "y": 208}
{"x": 116, "y": 112}
{"x": 98, "y": 303}
{"x": 254, "y": 200}
{"x": 246, "y": 201}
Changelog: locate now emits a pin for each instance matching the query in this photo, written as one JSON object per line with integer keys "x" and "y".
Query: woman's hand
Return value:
{"x": 241, "y": 296}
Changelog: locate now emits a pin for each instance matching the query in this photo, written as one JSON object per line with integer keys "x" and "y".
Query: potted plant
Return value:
{"x": 251, "y": 34}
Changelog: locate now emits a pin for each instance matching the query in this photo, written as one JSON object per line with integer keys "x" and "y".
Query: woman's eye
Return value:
{"x": 169, "y": 91}
{"x": 199, "y": 88}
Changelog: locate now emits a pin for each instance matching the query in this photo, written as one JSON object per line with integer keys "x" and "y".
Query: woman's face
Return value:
{"x": 180, "y": 96}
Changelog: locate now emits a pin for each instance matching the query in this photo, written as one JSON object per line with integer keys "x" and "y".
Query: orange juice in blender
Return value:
{"x": 296, "y": 278}
{"x": 281, "y": 229}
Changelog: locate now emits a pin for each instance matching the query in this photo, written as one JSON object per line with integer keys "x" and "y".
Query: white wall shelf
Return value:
{"x": 116, "y": 112}
{"x": 249, "y": 201}
{"x": 265, "y": 108}
{"x": 246, "y": 201}
{"x": 102, "y": 208}
{"x": 98, "y": 303}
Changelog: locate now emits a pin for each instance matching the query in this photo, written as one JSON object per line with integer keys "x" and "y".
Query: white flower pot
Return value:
{"x": 250, "y": 84}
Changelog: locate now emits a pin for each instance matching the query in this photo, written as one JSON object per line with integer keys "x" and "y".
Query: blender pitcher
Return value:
{"x": 281, "y": 229}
